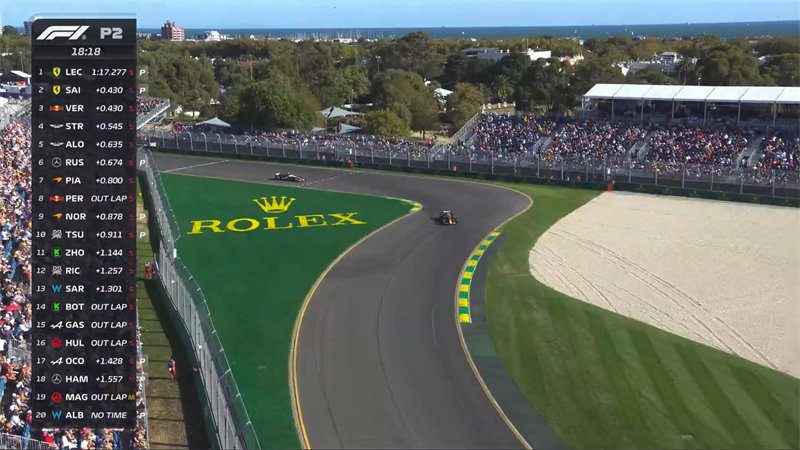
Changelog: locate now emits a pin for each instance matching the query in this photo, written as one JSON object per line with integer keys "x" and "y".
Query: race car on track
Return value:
{"x": 447, "y": 218}
{"x": 280, "y": 176}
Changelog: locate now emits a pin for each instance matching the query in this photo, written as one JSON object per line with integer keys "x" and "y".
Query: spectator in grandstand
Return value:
{"x": 343, "y": 144}
{"x": 780, "y": 150}
{"x": 507, "y": 135}
{"x": 15, "y": 306}
{"x": 593, "y": 141}
{"x": 699, "y": 149}
{"x": 145, "y": 105}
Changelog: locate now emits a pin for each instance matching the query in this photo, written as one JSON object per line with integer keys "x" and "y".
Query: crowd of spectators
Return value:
{"x": 145, "y": 105}
{"x": 15, "y": 275}
{"x": 699, "y": 151}
{"x": 326, "y": 142}
{"x": 780, "y": 150}
{"x": 502, "y": 135}
{"x": 15, "y": 310}
{"x": 698, "y": 146}
{"x": 592, "y": 141}
{"x": 15, "y": 229}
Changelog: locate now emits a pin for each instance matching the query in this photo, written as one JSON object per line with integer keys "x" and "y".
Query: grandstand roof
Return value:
{"x": 631, "y": 91}
{"x": 602, "y": 90}
{"x": 790, "y": 95}
{"x": 760, "y": 94}
{"x": 662, "y": 92}
{"x": 727, "y": 94}
{"x": 714, "y": 94}
{"x": 693, "y": 93}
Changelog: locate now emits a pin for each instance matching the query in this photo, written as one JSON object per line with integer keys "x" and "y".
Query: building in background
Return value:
{"x": 28, "y": 24}
{"x": 172, "y": 32}
{"x": 535, "y": 54}
{"x": 212, "y": 36}
{"x": 492, "y": 54}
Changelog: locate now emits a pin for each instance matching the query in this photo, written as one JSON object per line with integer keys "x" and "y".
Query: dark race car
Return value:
{"x": 289, "y": 177}
{"x": 446, "y": 218}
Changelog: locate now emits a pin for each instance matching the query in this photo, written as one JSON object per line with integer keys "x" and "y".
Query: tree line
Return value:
{"x": 282, "y": 84}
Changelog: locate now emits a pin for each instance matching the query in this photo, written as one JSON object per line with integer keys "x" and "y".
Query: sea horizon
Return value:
{"x": 728, "y": 30}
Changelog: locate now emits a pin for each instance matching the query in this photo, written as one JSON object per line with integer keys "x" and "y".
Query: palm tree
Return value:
{"x": 502, "y": 87}
{"x": 687, "y": 70}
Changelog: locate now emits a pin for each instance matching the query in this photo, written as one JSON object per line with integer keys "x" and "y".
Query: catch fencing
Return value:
{"x": 620, "y": 169}
{"x": 14, "y": 110}
{"x": 20, "y": 352}
{"x": 12, "y": 441}
{"x": 143, "y": 119}
{"x": 224, "y": 404}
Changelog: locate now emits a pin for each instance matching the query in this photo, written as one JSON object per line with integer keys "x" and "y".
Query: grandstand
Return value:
{"x": 15, "y": 306}
{"x": 771, "y": 97}
{"x": 686, "y": 150}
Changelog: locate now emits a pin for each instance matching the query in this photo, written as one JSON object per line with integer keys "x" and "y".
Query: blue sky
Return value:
{"x": 410, "y": 13}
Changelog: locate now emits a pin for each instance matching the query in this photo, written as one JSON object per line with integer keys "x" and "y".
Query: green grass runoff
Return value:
{"x": 602, "y": 380}
{"x": 255, "y": 281}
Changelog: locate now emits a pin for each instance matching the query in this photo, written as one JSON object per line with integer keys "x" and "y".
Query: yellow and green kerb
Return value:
{"x": 464, "y": 313}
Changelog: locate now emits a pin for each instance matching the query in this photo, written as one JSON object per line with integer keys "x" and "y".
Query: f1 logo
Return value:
{"x": 72, "y": 32}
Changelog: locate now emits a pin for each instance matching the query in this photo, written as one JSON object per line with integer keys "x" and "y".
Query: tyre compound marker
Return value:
{"x": 464, "y": 313}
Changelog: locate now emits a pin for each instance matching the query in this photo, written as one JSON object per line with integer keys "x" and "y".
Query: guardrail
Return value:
{"x": 528, "y": 167}
{"x": 225, "y": 407}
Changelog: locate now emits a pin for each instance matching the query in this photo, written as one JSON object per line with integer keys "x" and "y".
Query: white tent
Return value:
{"x": 334, "y": 112}
{"x": 345, "y": 128}
{"x": 217, "y": 122}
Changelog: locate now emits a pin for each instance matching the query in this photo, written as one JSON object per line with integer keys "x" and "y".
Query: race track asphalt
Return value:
{"x": 379, "y": 361}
